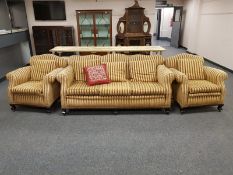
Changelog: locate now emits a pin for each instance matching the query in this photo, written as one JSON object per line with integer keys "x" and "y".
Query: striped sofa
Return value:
{"x": 196, "y": 84}
{"x": 36, "y": 85}
{"x": 139, "y": 81}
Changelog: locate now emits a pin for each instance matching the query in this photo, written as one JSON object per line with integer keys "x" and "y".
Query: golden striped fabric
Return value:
{"x": 171, "y": 62}
{"x": 215, "y": 75}
{"x": 40, "y": 68}
{"x": 116, "y": 71}
{"x": 115, "y": 88}
{"x": 78, "y": 67}
{"x": 82, "y": 58}
{"x": 193, "y": 68}
{"x": 147, "y": 88}
{"x": 81, "y": 88}
{"x": 143, "y": 70}
{"x": 202, "y": 86}
{"x": 30, "y": 87}
{"x": 116, "y": 102}
{"x": 159, "y": 59}
{"x": 114, "y": 58}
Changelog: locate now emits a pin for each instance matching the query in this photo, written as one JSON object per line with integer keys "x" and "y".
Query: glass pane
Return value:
{"x": 103, "y": 29}
{"x": 87, "y": 42}
{"x": 86, "y": 29}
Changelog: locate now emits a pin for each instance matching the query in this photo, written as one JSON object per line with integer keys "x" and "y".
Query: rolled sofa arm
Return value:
{"x": 51, "y": 77}
{"x": 165, "y": 76}
{"x": 180, "y": 77}
{"x": 19, "y": 76}
{"x": 66, "y": 77}
{"x": 214, "y": 75}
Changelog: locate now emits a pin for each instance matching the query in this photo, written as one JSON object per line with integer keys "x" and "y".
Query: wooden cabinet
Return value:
{"x": 94, "y": 27}
{"x": 134, "y": 27}
{"x": 47, "y": 37}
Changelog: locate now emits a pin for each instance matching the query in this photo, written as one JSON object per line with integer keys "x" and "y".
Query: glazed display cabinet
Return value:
{"x": 94, "y": 27}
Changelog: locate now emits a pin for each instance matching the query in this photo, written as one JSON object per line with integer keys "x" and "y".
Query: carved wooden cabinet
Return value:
{"x": 47, "y": 37}
{"x": 94, "y": 27}
{"x": 134, "y": 27}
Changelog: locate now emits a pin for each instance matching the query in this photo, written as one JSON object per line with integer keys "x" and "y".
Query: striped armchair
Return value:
{"x": 196, "y": 84}
{"x": 139, "y": 81}
{"x": 36, "y": 85}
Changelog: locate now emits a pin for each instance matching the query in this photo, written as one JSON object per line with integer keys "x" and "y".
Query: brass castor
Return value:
{"x": 13, "y": 108}
{"x": 220, "y": 107}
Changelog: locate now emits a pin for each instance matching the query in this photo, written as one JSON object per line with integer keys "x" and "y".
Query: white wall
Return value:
{"x": 208, "y": 30}
{"x": 166, "y": 17}
{"x": 117, "y": 6}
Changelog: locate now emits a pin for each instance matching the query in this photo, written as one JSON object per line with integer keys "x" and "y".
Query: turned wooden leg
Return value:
{"x": 13, "y": 107}
{"x": 220, "y": 107}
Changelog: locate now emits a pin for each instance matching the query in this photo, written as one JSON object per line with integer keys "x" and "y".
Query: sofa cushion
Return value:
{"x": 117, "y": 71}
{"x": 40, "y": 68}
{"x": 159, "y": 59}
{"x": 30, "y": 88}
{"x": 202, "y": 86}
{"x": 115, "y": 88}
{"x": 96, "y": 75}
{"x": 114, "y": 58}
{"x": 147, "y": 88}
{"x": 79, "y": 64}
{"x": 81, "y": 88}
{"x": 145, "y": 71}
{"x": 193, "y": 68}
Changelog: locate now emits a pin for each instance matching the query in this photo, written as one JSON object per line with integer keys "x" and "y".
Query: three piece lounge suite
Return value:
{"x": 136, "y": 82}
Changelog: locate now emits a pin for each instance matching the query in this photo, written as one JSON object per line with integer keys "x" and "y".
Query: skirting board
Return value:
{"x": 223, "y": 67}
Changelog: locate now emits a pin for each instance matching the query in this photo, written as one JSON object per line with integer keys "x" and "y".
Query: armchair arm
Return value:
{"x": 19, "y": 76}
{"x": 66, "y": 77}
{"x": 179, "y": 76}
{"x": 165, "y": 76}
{"x": 214, "y": 75}
{"x": 51, "y": 77}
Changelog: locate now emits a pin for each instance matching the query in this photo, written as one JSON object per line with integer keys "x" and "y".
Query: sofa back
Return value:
{"x": 191, "y": 65}
{"x": 45, "y": 63}
{"x": 120, "y": 66}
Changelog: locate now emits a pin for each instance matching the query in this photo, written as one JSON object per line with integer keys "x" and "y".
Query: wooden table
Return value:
{"x": 108, "y": 49}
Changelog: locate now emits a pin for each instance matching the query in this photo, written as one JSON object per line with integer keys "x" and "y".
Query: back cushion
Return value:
{"x": 79, "y": 64}
{"x": 193, "y": 68}
{"x": 41, "y": 67}
{"x": 117, "y": 71}
{"x": 114, "y": 58}
{"x": 157, "y": 58}
{"x": 145, "y": 70}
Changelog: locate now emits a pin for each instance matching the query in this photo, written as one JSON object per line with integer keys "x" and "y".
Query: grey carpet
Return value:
{"x": 199, "y": 142}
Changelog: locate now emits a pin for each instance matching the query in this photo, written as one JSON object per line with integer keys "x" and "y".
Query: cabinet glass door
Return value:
{"x": 103, "y": 29}
{"x": 86, "y": 29}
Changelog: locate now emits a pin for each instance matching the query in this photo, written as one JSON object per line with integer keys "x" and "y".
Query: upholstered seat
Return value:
{"x": 196, "y": 84}
{"x": 202, "y": 86}
{"x": 115, "y": 89}
{"x": 81, "y": 88}
{"x": 30, "y": 87}
{"x": 147, "y": 88}
{"x": 36, "y": 85}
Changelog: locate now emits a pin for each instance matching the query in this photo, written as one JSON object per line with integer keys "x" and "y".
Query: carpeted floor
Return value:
{"x": 199, "y": 142}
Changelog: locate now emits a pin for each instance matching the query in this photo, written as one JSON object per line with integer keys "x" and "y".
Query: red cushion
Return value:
{"x": 96, "y": 75}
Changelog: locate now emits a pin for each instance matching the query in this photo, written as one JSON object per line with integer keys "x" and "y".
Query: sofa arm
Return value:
{"x": 214, "y": 75}
{"x": 66, "y": 77}
{"x": 51, "y": 77}
{"x": 180, "y": 77}
{"x": 19, "y": 76}
{"x": 165, "y": 76}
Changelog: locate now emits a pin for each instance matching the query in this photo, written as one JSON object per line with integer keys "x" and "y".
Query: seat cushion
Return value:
{"x": 202, "y": 86}
{"x": 117, "y": 71}
{"x": 193, "y": 68}
{"x": 146, "y": 88}
{"x": 81, "y": 88}
{"x": 40, "y": 68}
{"x": 115, "y": 88}
{"x": 143, "y": 70}
{"x": 30, "y": 87}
